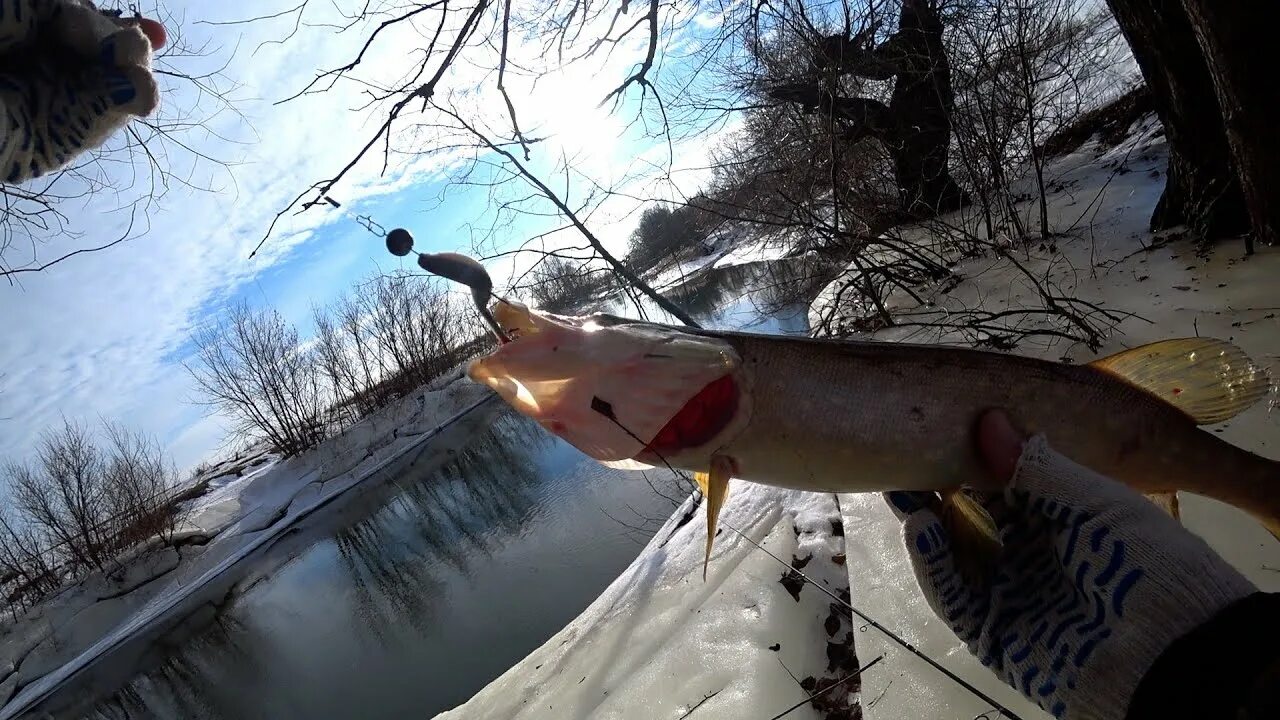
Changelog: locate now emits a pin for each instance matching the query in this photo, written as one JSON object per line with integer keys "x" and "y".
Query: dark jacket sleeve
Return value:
{"x": 1226, "y": 669}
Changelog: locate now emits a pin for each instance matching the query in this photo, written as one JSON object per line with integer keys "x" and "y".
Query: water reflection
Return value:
{"x": 425, "y": 590}
{"x": 409, "y": 610}
{"x": 771, "y": 296}
{"x": 191, "y": 683}
{"x": 474, "y": 500}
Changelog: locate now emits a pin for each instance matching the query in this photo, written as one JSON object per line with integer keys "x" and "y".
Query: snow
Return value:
{"x": 729, "y": 249}
{"x": 760, "y": 251}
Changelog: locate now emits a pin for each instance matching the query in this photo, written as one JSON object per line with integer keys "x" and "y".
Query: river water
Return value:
{"x": 450, "y": 577}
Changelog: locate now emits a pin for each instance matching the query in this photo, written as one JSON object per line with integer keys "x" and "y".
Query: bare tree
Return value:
{"x": 853, "y": 113}
{"x": 27, "y": 571}
{"x": 66, "y": 494}
{"x": 915, "y": 124}
{"x": 138, "y": 479}
{"x": 1208, "y": 68}
{"x": 79, "y": 504}
{"x": 389, "y": 336}
{"x": 664, "y": 233}
{"x": 560, "y": 285}
{"x": 1026, "y": 69}
{"x": 252, "y": 367}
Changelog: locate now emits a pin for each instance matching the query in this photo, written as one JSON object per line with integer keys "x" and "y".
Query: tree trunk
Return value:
{"x": 916, "y": 124}
{"x": 1201, "y": 190}
{"x": 922, "y": 104}
{"x": 1238, "y": 42}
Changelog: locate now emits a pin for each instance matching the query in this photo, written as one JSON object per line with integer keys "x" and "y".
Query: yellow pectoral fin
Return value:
{"x": 715, "y": 488}
{"x": 1167, "y": 501}
{"x": 975, "y": 540}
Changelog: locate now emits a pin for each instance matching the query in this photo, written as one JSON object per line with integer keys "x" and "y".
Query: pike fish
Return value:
{"x": 848, "y": 416}
{"x": 844, "y": 416}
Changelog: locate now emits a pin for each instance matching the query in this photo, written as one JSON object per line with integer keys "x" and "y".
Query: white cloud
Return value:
{"x": 104, "y": 334}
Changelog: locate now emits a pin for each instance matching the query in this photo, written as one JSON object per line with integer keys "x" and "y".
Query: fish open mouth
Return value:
{"x": 614, "y": 391}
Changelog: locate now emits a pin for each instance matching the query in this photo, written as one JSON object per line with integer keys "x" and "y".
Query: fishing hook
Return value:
{"x": 456, "y": 267}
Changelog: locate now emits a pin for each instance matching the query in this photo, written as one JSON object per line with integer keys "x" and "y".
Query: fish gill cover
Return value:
{"x": 606, "y": 389}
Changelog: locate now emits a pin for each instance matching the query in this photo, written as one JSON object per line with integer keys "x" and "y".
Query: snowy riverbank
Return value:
{"x": 163, "y": 593}
{"x": 1109, "y": 258}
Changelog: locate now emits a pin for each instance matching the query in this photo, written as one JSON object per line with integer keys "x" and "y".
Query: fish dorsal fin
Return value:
{"x": 715, "y": 488}
{"x": 1209, "y": 380}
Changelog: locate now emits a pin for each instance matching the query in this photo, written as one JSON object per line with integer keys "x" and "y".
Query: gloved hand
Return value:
{"x": 1095, "y": 580}
{"x": 70, "y": 76}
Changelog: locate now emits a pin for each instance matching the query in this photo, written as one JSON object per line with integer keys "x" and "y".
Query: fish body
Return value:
{"x": 850, "y": 416}
{"x": 847, "y": 416}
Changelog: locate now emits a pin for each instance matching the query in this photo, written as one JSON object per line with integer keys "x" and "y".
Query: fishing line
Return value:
{"x": 827, "y": 689}
{"x": 365, "y": 221}
{"x": 870, "y": 621}
{"x": 605, "y": 409}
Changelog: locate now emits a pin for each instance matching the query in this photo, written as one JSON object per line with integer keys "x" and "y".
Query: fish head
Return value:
{"x": 607, "y": 387}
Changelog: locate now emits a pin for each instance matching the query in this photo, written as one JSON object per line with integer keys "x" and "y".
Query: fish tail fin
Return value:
{"x": 975, "y": 541}
{"x": 715, "y": 488}
{"x": 1209, "y": 380}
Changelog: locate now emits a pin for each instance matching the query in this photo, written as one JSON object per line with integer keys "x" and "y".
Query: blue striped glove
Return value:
{"x": 71, "y": 75}
{"x": 1094, "y": 583}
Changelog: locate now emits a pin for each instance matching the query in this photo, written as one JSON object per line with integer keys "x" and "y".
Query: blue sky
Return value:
{"x": 105, "y": 334}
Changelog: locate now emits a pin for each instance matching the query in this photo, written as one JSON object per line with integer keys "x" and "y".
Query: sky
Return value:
{"x": 106, "y": 334}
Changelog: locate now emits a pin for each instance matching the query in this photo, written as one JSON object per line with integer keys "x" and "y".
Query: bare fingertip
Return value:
{"x": 155, "y": 33}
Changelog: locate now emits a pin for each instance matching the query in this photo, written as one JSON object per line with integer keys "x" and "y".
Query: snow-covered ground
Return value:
{"x": 727, "y": 251}
{"x": 1109, "y": 199}
{"x": 661, "y": 643}
{"x": 162, "y": 590}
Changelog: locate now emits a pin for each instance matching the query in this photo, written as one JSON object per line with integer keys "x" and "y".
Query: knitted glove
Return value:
{"x": 70, "y": 76}
{"x": 1094, "y": 583}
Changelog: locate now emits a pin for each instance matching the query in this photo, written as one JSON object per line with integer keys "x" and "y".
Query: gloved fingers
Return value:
{"x": 929, "y": 548}
{"x": 905, "y": 503}
{"x": 126, "y": 47}
{"x": 18, "y": 22}
{"x": 88, "y": 106}
{"x": 155, "y": 33}
{"x": 1050, "y": 484}
{"x": 926, "y": 540}
{"x": 130, "y": 90}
